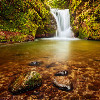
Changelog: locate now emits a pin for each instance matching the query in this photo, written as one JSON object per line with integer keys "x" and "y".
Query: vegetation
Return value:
{"x": 22, "y": 16}
{"x": 25, "y": 19}
{"x": 84, "y": 16}
{"x": 62, "y": 4}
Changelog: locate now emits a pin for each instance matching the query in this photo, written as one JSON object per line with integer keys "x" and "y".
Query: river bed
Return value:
{"x": 80, "y": 57}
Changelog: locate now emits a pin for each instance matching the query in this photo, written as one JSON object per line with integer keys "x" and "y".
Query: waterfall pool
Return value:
{"x": 80, "y": 57}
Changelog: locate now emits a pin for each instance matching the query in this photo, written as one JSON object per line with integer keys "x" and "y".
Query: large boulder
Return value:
{"x": 25, "y": 82}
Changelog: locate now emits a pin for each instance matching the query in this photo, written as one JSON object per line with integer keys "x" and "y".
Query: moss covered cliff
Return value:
{"x": 22, "y": 19}
{"x": 85, "y": 16}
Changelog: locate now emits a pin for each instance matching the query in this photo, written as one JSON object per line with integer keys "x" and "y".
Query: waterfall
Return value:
{"x": 63, "y": 23}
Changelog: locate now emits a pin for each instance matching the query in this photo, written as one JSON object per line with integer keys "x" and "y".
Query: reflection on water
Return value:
{"x": 62, "y": 50}
{"x": 56, "y": 50}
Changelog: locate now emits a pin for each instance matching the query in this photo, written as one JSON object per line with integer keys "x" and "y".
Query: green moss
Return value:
{"x": 23, "y": 16}
{"x": 35, "y": 78}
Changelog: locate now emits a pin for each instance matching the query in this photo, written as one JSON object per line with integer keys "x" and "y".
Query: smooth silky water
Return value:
{"x": 62, "y": 18}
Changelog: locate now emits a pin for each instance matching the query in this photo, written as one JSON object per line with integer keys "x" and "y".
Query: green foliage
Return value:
{"x": 83, "y": 33}
{"x": 32, "y": 17}
{"x": 23, "y": 16}
{"x": 58, "y": 3}
{"x": 84, "y": 16}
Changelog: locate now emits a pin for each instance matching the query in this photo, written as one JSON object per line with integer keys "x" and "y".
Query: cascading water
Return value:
{"x": 63, "y": 23}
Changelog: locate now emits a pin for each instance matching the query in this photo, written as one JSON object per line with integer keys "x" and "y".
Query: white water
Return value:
{"x": 63, "y": 23}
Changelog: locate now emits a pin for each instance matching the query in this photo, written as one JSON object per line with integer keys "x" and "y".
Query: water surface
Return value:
{"x": 56, "y": 50}
{"x": 80, "y": 57}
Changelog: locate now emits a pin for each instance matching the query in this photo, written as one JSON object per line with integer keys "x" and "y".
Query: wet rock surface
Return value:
{"x": 62, "y": 73}
{"x": 25, "y": 82}
{"x": 36, "y": 63}
{"x": 63, "y": 83}
{"x": 51, "y": 65}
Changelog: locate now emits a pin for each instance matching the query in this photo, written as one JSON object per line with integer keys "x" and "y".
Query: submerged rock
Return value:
{"x": 62, "y": 73}
{"x": 36, "y": 63}
{"x": 51, "y": 65}
{"x": 63, "y": 83}
{"x": 25, "y": 82}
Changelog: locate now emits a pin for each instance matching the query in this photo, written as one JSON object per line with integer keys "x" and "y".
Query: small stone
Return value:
{"x": 25, "y": 82}
{"x": 51, "y": 65}
{"x": 62, "y": 73}
{"x": 36, "y": 63}
{"x": 62, "y": 83}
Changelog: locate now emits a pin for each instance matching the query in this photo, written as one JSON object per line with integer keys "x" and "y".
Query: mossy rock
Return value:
{"x": 25, "y": 82}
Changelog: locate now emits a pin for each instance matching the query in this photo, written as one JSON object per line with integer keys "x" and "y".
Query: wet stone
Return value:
{"x": 51, "y": 65}
{"x": 62, "y": 73}
{"x": 25, "y": 82}
{"x": 36, "y": 63}
{"x": 62, "y": 83}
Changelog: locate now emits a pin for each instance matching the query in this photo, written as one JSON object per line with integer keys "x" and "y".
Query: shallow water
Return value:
{"x": 54, "y": 50}
{"x": 80, "y": 57}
